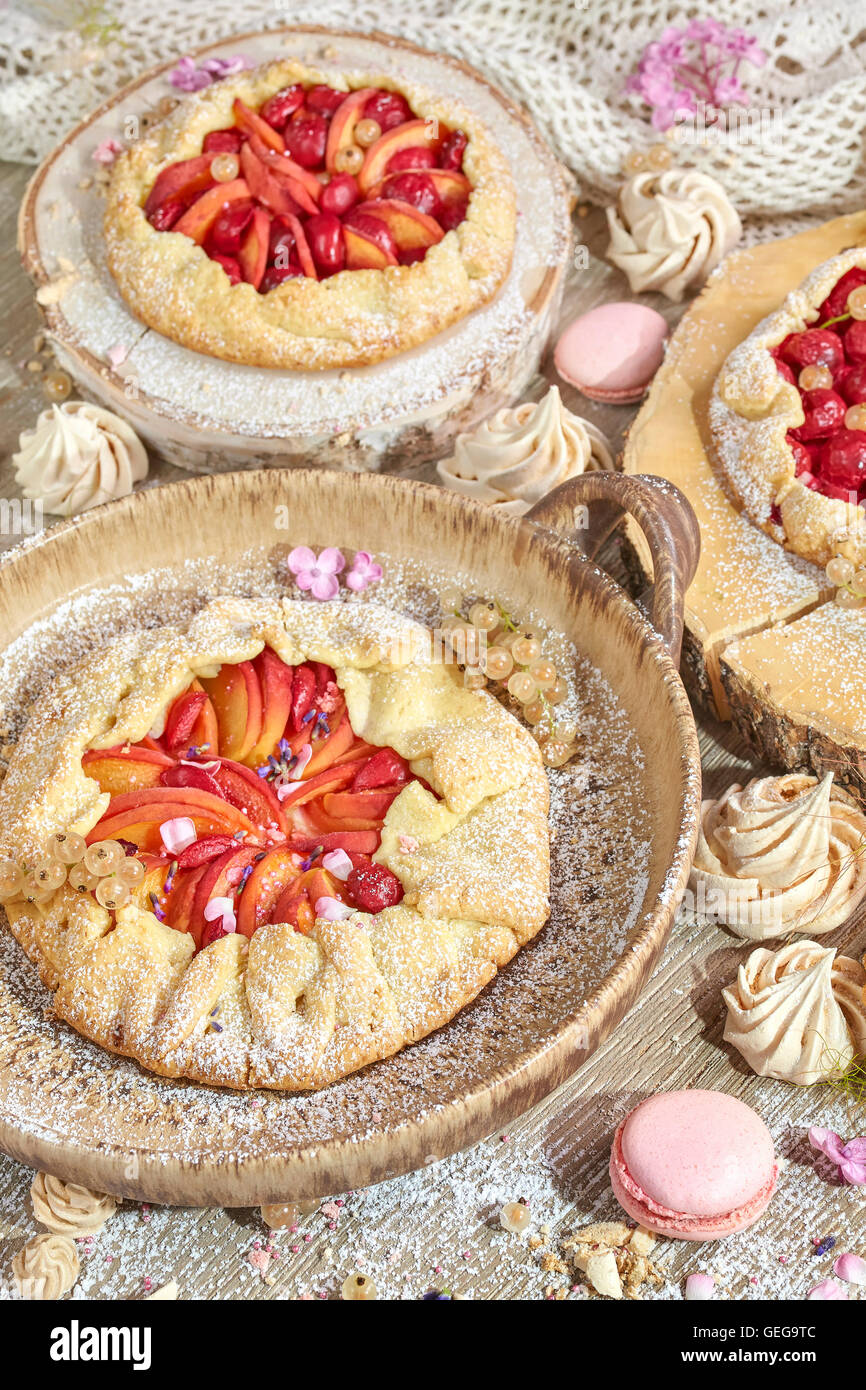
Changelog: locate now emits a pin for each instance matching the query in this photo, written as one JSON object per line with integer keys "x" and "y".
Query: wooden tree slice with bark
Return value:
{"x": 208, "y": 415}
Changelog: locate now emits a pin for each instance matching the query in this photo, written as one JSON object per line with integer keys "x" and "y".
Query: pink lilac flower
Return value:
{"x": 107, "y": 152}
{"x": 699, "y": 63}
{"x": 189, "y": 78}
{"x": 850, "y": 1157}
{"x": 364, "y": 571}
{"x": 318, "y": 575}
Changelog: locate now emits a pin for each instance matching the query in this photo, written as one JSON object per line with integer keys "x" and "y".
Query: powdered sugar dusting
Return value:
{"x": 601, "y": 828}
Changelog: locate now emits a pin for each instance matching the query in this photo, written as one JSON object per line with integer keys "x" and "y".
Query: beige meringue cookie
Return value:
{"x": 77, "y": 456}
{"x": 68, "y": 1209}
{"x": 670, "y": 230}
{"x": 797, "y": 1014}
{"x": 46, "y": 1268}
{"x": 783, "y": 854}
{"x": 517, "y": 456}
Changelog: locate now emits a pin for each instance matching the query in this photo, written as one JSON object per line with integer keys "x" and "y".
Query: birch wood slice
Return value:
{"x": 764, "y": 645}
{"x": 208, "y": 415}
{"x": 75, "y": 1110}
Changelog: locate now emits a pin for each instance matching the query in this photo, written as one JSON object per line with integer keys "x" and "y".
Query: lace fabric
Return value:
{"x": 800, "y": 148}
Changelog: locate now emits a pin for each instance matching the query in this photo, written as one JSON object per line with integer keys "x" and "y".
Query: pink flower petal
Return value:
{"x": 331, "y": 560}
{"x": 699, "y": 1287}
{"x": 177, "y": 834}
{"x": 851, "y": 1268}
{"x": 300, "y": 559}
{"x": 827, "y": 1142}
{"x": 855, "y": 1173}
{"x": 338, "y": 863}
{"x": 356, "y": 582}
{"x": 332, "y": 909}
{"x": 285, "y": 789}
{"x": 305, "y": 579}
{"x": 325, "y": 586}
{"x": 826, "y": 1291}
{"x": 302, "y": 759}
{"x": 224, "y": 909}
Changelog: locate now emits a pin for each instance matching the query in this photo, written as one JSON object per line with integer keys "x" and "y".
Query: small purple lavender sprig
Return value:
{"x": 699, "y": 63}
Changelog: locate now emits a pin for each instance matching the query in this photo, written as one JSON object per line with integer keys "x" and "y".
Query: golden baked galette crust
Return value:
{"x": 467, "y": 838}
{"x": 752, "y": 410}
{"x": 352, "y": 318}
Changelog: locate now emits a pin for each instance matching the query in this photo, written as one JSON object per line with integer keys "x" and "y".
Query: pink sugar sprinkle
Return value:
{"x": 332, "y": 1225}
{"x": 783, "y": 1259}
{"x": 307, "y": 1238}
{"x": 467, "y": 1254}
{"x": 753, "y": 1279}
{"x": 296, "y": 1249}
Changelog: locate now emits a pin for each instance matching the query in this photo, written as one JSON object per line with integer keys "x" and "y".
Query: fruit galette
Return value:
{"x": 289, "y": 218}
{"x": 788, "y": 414}
{"x": 271, "y": 847}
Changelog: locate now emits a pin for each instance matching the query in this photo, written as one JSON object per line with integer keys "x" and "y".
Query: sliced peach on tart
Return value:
{"x": 198, "y": 220}
{"x": 411, "y": 229}
{"x": 288, "y": 171}
{"x": 263, "y": 888}
{"x": 253, "y": 255}
{"x": 222, "y": 878}
{"x": 250, "y": 793}
{"x": 411, "y": 134}
{"x": 264, "y": 187}
{"x": 236, "y": 696}
{"x": 180, "y": 183}
{"x": 251, "y": 124}
{"x": 139, "y": 815}
{"x": 341, "y": 132}
{"x": 125, "y": 768}
{"x": 364, "y": 251}
{"x": 276, "y": 680}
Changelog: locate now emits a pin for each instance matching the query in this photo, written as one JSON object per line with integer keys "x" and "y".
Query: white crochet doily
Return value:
{"x": 566, "y": 60}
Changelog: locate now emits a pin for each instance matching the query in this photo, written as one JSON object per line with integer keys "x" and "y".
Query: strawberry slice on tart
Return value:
{"x": 248, "y": 819}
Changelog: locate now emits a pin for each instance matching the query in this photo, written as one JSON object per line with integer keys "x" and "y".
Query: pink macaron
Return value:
{"x": 613, "y": 352}
{"x": 697, "y": 1165}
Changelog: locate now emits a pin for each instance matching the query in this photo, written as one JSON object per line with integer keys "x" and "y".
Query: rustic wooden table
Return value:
{"x": 439, "y": 1227}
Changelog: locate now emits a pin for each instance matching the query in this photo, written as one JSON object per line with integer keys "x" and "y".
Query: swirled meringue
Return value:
{"x": 797, "y": 1014}
{"x": 67, "y": 1209}
{"x": 77, "y": 456}
{"x": 46, "y": 1268}
{"x": 517, "y": 456}
{"x": 670, "y": 230}
{"x": 782, "y": 854}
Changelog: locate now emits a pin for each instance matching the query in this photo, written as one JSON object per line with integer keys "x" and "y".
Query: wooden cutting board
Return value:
{"x": 765, "y": 644}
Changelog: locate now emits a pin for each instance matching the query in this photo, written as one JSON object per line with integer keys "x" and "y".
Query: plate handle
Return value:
{"x": 588, "y": 508}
